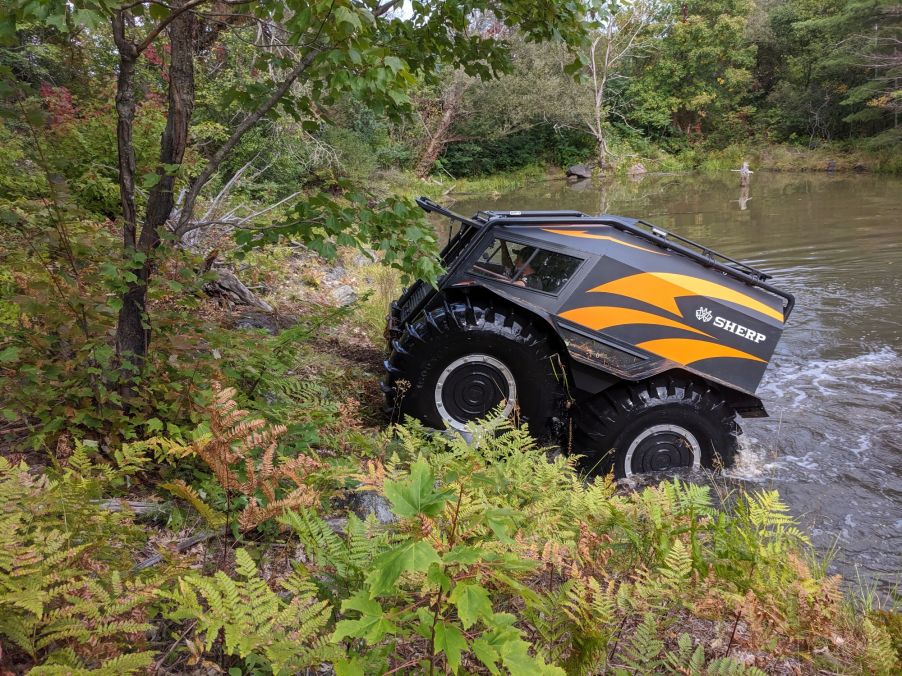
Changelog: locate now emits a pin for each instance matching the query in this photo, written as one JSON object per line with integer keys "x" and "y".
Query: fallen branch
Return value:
{"x": 229, "y": 287}
{"x": 136, "y": 506}
{"x": 180, "y": 547}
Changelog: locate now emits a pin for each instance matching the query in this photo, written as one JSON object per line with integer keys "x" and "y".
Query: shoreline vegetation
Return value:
{"x": 829, "y": 160}
{"x": 772, "y": 158}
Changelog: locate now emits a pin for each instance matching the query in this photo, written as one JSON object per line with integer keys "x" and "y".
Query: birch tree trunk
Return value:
{"x": 618, "y": 39}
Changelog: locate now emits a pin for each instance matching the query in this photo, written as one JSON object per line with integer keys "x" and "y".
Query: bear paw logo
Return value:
{"x": 704, "y": 314}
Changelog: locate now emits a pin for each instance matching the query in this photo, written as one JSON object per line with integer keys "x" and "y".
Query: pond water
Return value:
{"x": 833, "y": 443}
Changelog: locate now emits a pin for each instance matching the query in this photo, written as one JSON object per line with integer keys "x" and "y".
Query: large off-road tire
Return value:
{"x": 459, "y": 362}
{"x": 665, "y": 422}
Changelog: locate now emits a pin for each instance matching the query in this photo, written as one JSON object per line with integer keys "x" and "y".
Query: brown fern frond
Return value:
{"x": 373, "y": 476}
{"x": 236, "y": 440}
{"x": 266, "y": 463}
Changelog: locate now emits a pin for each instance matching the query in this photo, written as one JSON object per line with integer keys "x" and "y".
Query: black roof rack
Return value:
{"x": 428, "y": 205}
{"x": 490, "y": 215}
{"x": 651, "y": 233}
{"x": 704, "y": 251}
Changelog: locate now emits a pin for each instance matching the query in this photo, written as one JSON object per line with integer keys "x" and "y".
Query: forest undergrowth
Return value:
{"x": 281, "y": 525}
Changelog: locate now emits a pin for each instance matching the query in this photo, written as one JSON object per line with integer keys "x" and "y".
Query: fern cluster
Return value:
{"x": 499, "y": 559}
{"x": 599, "y": 564}
{"x": 64, "y": 603}
{"x": 241, "y": 453}
{"x": 281, "y": 632}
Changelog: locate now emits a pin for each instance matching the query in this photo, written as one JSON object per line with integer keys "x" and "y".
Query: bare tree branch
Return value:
{"x": 213, "y": 165}
{"x": 385, "y": 7}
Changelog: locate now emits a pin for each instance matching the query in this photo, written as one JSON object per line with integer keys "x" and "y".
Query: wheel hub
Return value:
{"x": 662, "y": 447}
{"x": 471, "y": 386}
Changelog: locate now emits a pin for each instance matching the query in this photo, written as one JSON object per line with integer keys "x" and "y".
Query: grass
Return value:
{"x": 437, "y": 186}
{"x": 382, "y": 286}
{"x": 773, "y": 157}
{"x": 868, "y": 598}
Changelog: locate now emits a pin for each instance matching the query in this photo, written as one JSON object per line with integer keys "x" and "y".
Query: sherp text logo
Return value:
{"x": 703, "y": 314}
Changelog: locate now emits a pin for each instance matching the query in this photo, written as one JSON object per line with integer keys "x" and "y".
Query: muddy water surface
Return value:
{"x": 833, "y": 443}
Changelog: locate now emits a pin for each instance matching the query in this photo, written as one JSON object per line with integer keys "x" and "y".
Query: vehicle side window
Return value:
{"x": 526, "y": 265}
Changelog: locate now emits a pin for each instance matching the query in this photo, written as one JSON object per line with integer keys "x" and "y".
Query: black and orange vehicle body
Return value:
{"x": 631, "y": 302}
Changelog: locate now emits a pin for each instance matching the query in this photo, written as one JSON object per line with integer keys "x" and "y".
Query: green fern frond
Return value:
{"x": 726, "y": 666}
{"x": 686, "y": 659}
{"x": 129, "y": 663}
{"x": 880, "y": 655}
{"x": 323, "y": 543}
{"x": 677, "y": 565}
{"x": 641, "y": 652}
{"x": 182, "y": 490}
{"x": 252, "y": 619}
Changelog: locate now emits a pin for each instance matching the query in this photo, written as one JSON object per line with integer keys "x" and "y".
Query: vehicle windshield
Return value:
{"x": 526, "y": 265}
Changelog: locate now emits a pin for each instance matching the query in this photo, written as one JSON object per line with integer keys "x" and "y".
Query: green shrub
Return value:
{"x": 58, "y": 367}
{"x": 541, "y": 144}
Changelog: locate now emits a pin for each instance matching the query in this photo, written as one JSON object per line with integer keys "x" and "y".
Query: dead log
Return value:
{"x": 181, "y": 546}
{"x": 139, "y": 507}
{"x": 744, "y": 174}
{"x": 227, "y": 287}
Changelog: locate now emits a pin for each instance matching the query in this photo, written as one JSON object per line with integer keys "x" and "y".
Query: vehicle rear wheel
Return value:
{"x": 461, "y": 361}
{"x": 666, "y": 422}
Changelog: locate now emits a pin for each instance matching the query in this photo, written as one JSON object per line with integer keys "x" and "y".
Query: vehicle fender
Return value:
{"x": 541, "y": 314}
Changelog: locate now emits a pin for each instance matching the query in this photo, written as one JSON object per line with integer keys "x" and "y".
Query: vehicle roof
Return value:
{"x": 597, "y": 234}
{"x": 594, "y": 238}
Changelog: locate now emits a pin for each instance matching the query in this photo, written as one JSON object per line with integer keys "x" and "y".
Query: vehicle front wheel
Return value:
{"x": 461, "y": 361}
{"x": 664, "y": 423}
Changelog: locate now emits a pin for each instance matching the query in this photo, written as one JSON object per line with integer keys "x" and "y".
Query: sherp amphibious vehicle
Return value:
{"x": 628, "y": 345}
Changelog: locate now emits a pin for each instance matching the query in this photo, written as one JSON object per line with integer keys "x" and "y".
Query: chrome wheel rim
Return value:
{"x": 471, "y": 386}
{"x": 663, "y": 447}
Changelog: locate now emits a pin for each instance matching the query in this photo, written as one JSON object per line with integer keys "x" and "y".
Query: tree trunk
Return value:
{"x": 433, "y": 149}
{"x": 602, "y": 149}
{"x": 132, "y": 332}
{"x": 125, "y": 118}
{"x": 451, "y": 102}
{"x": 599, "y": 82}
{"x": 601, "y": 143}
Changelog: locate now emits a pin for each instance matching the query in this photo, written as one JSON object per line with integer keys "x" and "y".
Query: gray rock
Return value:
{"x": 335, "y": 274}
{"x": 258, "y": 320}
{"x": 580, "y": 171}
{"x": 364, "y": 503}
{"x": 637, "y": 170}
{"x": 361, "y": 259}
{"x": 339, "y": 524}
{"x": 343, "y": 295}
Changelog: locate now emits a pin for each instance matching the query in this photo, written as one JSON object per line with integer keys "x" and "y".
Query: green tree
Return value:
{"x": 699, "y": 77}
{"x": 514, "y": 119}
{"x": 326, "y": 49}
{"x": 829, "y": 68}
